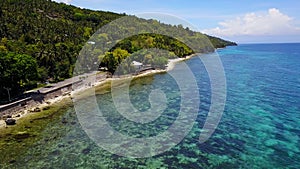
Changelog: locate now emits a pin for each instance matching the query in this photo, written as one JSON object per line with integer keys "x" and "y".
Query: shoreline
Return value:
{"x": 50, "y": 102}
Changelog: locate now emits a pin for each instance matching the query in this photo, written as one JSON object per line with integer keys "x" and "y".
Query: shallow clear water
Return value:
{"x": 260, "y": 127}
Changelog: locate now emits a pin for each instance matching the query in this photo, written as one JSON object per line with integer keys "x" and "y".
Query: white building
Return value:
{"x": 137, "y": 65}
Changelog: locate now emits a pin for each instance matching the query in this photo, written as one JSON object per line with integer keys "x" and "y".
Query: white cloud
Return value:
{"x": 268, "y": 23}
{"x": 64, "y": 1}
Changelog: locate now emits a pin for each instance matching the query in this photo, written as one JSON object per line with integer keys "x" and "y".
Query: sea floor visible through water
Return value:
{"x": 260, "y": 126}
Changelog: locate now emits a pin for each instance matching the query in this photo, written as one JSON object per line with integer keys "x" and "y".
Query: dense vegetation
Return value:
{"x": 40, "y": 41}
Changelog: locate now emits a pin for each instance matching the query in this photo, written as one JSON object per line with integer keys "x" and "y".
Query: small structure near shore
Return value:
{"x": 35, "y": 97}
{"x": 137, "y": 65}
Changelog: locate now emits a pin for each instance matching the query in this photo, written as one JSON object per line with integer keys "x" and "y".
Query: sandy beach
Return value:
{"x": 171, "y": 64}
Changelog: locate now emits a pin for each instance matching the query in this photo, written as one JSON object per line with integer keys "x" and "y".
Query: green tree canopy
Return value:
{"x": 18, "y": 72}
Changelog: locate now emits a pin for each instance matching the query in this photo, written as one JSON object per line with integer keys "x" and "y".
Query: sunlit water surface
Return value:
{"x": 260, "y": 126}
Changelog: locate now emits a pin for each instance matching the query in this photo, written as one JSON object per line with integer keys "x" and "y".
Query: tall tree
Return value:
{"x": 18, "y": 72}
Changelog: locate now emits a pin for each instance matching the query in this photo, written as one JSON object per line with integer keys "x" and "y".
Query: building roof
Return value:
{"x": 135, "y": 63}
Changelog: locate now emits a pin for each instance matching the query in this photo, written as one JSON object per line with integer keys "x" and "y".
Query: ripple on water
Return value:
{"x": 259, "y": 128}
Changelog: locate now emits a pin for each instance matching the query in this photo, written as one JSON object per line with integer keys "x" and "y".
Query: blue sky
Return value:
{"x": 244, "y": 21}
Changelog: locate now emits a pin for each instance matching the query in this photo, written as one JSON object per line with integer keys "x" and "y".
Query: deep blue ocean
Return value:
{"x": 260, "y": 127}
{"x": 263, "y": 104}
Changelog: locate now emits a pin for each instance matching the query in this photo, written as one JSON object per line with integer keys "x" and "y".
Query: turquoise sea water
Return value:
{"x": 260, "y": 127}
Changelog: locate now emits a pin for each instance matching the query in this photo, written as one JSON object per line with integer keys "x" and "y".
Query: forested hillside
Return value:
{"x": 40, "y": 41}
